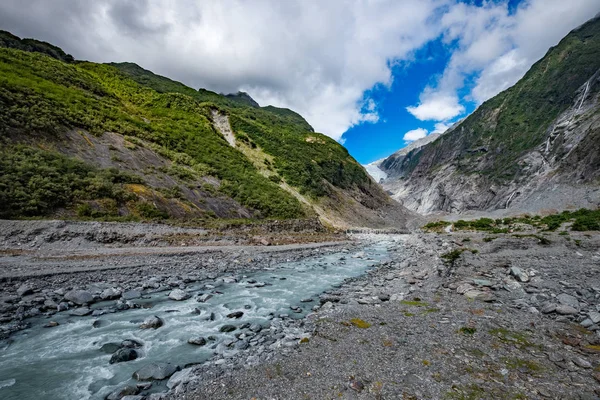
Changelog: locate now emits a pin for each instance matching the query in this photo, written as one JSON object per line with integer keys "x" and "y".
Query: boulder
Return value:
{"x": 120, "y": 393}
{"x": 131, "y": 294}
{"x": 178, "y": 295}
{"x": 235, "y": 314}
{"x": 110, "y": 294}
{"x": 203, "y": 298}
{"x": 227, "y": 328}
{"x": 568, "y": 300}
{"x": 155, "y": 371}
{"x": 123, "y": 355}
{"x": 180, "y": 377}
{"x": 110, "y": 348}
{"x": 153, "y": 322}
{"x": 519, "y": 274}
{"x": 594, "y": 316}
{"x": 24, "y": 290}
{"x": 132, "y": 344}
{"x": 199, "y": 341}
{"x": 79, "y": 297}
{"x": 80, "y": 312}
{"x": 566, "y": 310}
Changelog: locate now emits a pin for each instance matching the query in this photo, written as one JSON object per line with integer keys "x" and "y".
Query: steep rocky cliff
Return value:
{"x": 533, "y": 147}
{"x": 116, "y": 141}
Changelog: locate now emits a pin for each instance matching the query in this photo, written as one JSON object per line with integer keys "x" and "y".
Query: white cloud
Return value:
{"x": 437, "y": 107}
{"x": 498, "y": 47}
{"x": 415, "y": 134}
{"x": 317, "y": 58}
{"x": 441, "y": 127}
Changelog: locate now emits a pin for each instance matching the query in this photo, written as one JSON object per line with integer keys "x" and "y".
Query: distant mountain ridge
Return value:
{"x": 116, "y": 141}
{"x": 535, "y": 146}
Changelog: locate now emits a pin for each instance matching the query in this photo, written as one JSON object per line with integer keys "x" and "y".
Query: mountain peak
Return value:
{"x": 243, "y": 97}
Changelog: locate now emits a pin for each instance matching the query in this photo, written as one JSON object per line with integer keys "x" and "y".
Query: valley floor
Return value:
{"x": 503, "y": 317}
{"x": 418, "y": 328}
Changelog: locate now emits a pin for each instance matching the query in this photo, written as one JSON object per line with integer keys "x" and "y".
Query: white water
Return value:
{"x": 65, "y": 362}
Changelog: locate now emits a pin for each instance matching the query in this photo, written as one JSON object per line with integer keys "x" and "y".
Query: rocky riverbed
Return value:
{"x": 457, "y": 316}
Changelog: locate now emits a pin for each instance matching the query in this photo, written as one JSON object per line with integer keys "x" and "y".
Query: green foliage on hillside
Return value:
{"x": 516, "y": 120}
{"x": 9, "y": 40}
{"x": 35, "y": 182}
{"x": 582, "y": 220}
{"x": 41, "y": 95}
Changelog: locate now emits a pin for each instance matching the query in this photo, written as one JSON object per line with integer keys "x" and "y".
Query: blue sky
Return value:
{"x": 363, "y": 72}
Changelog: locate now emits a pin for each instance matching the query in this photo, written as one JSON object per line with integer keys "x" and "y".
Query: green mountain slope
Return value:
{"x": 138, "y": 145}
{"x": 510, "y": 139}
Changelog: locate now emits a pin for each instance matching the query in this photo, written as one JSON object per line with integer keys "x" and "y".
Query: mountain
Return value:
{"x": 533, "y": 147}
{"x": 116, "y": 141}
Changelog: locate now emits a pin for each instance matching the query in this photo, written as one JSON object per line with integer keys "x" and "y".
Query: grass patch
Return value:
{"x": 359, "y": 323}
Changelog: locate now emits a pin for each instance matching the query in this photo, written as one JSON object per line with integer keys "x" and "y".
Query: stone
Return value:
{"x": 123, "y": 355}
{"x": 120, "y": 393}
{"x": 79, "y": 297}
{"x": 519, "y": 274}
{"x": 483, "y": 282}
{"x": 24, "y": 290}
{"x": 153, "y": 322}
{"x": 586, "y": 323}
{"x": 235, "y": 314}
{"x": 594, "y": 316}
{"x": 180, "y": 377}
{"x": 566, "y": 310}
{"x": 227, "y": 328}
{"x": 582, "y": 363}
{"x": 110, "y": 294}
{"x": 155, "y": 371}
{"x": 568, "y": 300}
{"x": 464, "y": 288}
{"x": 199, "y": 341}
{"x": 307, "y": 300}
{"x": 255, "y": 328}
{"x": 179, "y": 295}
{"x": 548, "y": 308}
{"x": 132, "y": 344}
{"x": 329, "y": 299}
{"x": 110, "y": 348}
{"x": 131, "y": 295}
{"x": 80, "y": 312}
{"x": 51, "y": 324}
{"x": 203, "y": 298}
{"x": 356, "y": 385}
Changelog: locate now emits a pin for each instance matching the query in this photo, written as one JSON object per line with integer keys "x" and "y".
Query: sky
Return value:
{"x": 372, "y": 74}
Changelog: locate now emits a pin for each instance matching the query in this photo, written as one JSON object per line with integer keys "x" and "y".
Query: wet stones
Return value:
{"x": 80, "y": 312}
{"x": 118, "y": 394}
{"x": 227, "y": 328}
{"x": 255, "y": 328}
{"x": 153, "y": 322}
{"x": 155, "y": 371}
{"x": 203, "y": 298}
{"x": 110, "y": 348}
{"x": 235, "y": 314}
{"x": 123, "y": 355}
{"x": 199, "y": 341}
{"x": 110, "y": 294}
{"x": 79, "y": 297}
{"x": 179, "y": 295}
{"x": 51, "y": 324}
{"x": 131, "y": 295}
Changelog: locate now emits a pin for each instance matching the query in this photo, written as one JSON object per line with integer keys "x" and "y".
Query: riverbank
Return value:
{"x": 457, "y": 316}
{"x": 509, "y": 317}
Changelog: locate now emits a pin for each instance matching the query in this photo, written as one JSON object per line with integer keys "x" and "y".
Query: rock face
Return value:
{"x": 123, "y": 355}
{"x": 155, "y": 371}
{"x": 534, "y": 146}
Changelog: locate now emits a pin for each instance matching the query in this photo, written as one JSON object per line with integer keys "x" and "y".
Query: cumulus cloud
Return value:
{"x": 437, "y": 106}
{"x": 497, "y": 46}
{"x": 415, "y": 134}
{"x": 318, "y": 58}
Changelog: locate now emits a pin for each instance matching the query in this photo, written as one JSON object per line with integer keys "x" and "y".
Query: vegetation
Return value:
{"x": 44, "y": 93}
{"x": 35, "y": 182}
{"x": 582, "y": 220}
{"x": 491, "y": 140}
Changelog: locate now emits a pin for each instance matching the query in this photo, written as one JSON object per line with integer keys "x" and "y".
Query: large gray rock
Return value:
{"x": 24, "y": 290}
{"x": 198, "y": 341}
{"x": 155, "y": 371}
{"x": 568, "y": 300}
{"x": 121, "y": 392}
{"x": 519, "y": 274}
{"x": 123, "y": 355}
{"x": 178, "y": 295}
{"x": 79, "y": 297}
{"x": 183, "y": 376}
{"x": 110, "y": 294}
{"x": 153, "y": 322}
{"x": 594, "y": 316}
{"x": 80, "y": 312}
{"x": 566, "y": 310}
{"x": 131, "y": 294}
